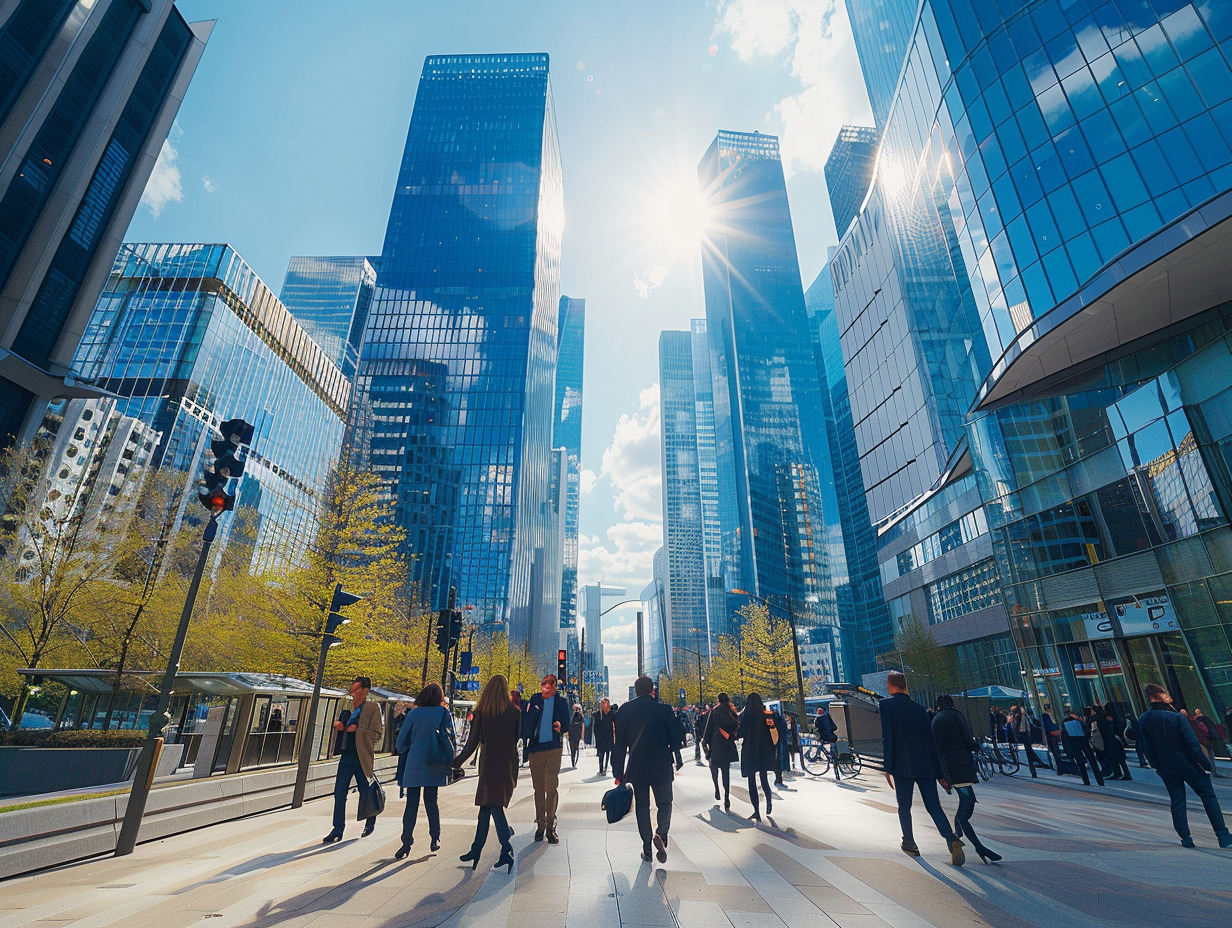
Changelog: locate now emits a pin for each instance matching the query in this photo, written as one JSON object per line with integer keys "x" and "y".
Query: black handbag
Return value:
{"x": 617, "y": 802}
{"x": 371, "y": 801}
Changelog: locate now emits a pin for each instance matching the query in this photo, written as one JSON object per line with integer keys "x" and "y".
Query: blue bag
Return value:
{"x": 440, "y": 754}
{"x": 617, "y": 802}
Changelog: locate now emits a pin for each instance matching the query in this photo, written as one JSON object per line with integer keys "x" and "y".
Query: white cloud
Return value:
{"x": 587, "y": 480}
{"x": 815, "y": 36}
{"x": 208, "y": 183}
{"x": 165, "y": 184}
{"x": 650, "y": 279}
{"x": 632, "y": 460}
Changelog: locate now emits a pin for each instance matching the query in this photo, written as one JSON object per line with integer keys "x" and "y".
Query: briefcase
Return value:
{"x": 371, "y": 801}
{"x": 617, "y": 802}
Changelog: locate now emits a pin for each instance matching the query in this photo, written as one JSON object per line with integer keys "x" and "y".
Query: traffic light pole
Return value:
{"x": 453, "y": 601}
{"x": 305, "y": 745}
{"x": 143, "y": 779}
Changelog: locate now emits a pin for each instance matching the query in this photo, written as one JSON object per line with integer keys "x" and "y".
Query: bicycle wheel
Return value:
{"x": 849, "y": 764}
{"x": 984, "y": 765}
{"x": 814, "y": 759}
{"x": 1008, "y": 762}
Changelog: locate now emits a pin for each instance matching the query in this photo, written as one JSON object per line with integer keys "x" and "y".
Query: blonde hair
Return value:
{"x": 494, "y": 699}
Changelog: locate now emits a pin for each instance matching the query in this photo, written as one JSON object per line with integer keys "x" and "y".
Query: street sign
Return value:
{"x": 464, "y": 662}
{"x": 468, "y": 685}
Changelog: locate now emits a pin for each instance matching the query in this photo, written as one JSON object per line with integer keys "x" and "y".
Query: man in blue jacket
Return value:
{"x": 1172, "y": 748}
{"x": 649, "y": 733}
{"x": 543, "y": 723}
{"x": 911, "y": 762}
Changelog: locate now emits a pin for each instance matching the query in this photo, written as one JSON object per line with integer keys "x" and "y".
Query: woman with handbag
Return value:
{"x": 420, "y": 738}
{"x": 955, "y": 744}
{"x": 719, "y": 737}
{"x": 759, "y": 754}
{"x": 497, "y": 725}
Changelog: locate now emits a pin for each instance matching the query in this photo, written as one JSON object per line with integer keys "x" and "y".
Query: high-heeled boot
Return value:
{"x": 986, "y": 855}
{"x": 506, "y": 858}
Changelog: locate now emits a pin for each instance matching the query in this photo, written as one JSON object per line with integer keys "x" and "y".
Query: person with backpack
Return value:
{"x": 428, "y": 740}
{"x": 759, "y": 749}
{"x": 496, "y": 726}
{"x": 722, "y": 723}
{"x": 1076, "y": 738}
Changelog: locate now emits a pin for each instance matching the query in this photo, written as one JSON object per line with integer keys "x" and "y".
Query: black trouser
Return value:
{"x": 605, "y": 757}
{"x": 663, "y": 806}
{"x": 715, "y": 771}
{"x": 486, "y": 815}
{"x": 411, "y": 812}
{"x": 1117, "y": 766}
{"x": 348, "y": 769}
{"x": 1202, "y": 787}
{"x": 962, "y": 818}
{"x": 1025, "y": 740}
{"x": 1080, "y": 753}
{"x": 765, "y": 785}
{"x": 575, "y": 745}
{"x": 904, "y": 788}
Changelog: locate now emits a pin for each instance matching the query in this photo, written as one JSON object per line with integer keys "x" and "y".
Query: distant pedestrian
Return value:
{"x": 1114, "y": 748}
{"x": 1172, "y": 749}
{"x": 780, "y": 725}
{"x": 700, "y": 745}
{"x": 358, "y": 728}
{"x": 1052, "y": 736}
{"x": 543, "y": 727}
{"x": 603, "y": 724}
{"x": 722, "y": 723}
{"x": 416, "y": 739}
{"x": 759, "y": 750}
{"x": 1023, "y": 730}
{"x": 1208, "y": 737}
{"x": 911, "y": 762}
{"x": 1075, "y": 736}
{"x": 576, "y": 724}
{"x": 827, "y": 734}
{"x": 955, "y": 744}
{"x": 648, "y": 734}
{"x": 496, "y": 726}
{"x": 1134, "y": 737}
{"x": 399, "y": 718}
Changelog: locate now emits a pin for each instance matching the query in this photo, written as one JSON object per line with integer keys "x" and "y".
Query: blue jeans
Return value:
{"x": 1201, "y": 785}
{"x": 348, "y": 769}
{"x": 904, "y": 787}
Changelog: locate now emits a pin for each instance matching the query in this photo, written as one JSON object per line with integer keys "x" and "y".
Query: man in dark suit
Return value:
{"x": 649, "y": 733}
{"x": 911, "y": 762}
{"x": 1172, "y": 748}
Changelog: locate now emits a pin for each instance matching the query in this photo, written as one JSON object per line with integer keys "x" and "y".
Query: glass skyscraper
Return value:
{"x": 769, "y": 424}
{"x": 849, "y": 172}
{"x": 189, "y": 336}
{"x": 88, "y": 93}
{"x": 330, "y": 297}
{"x": 882, "y": 31}
{"x": 567, "y": 434}
{"x": 454, "y": 393}
{"x": 1064, "y": 173}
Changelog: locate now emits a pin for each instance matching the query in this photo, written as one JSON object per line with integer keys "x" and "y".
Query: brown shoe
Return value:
{"x": 957, "y": 857}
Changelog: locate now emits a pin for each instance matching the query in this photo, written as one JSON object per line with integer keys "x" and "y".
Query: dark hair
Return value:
{"x": 430, "y": 695}
{"x": 1154, "y": 691}
{"x": 896, "y": 679}
{"x": 643, "y": 686}
{"x": 365, "y": 682}
{"x": 724, "y": 698}
{"x": 945, "y": 701}
{"x": 753, "y": 703}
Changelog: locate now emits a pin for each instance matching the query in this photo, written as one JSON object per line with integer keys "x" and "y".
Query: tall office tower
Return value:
{"x": 454, "y": 392}
{"x": 88, "y": 92}
{"x": 1078, "y": 174}
{"x": 656, "y": 627}
{"x": 770, "y": 430}
{"x": 330, "y": 298}
{"x": 853, "y": 564}
{"x": 882, "y": 30}
{"x": 593, "y": 597}
{"x": 718, "y": 613}
{"x": 567, "y": 434}
{"x": 849, "y": 172}
{"x": 189, "y": 337}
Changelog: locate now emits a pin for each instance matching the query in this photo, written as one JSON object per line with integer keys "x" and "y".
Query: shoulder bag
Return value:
{"x": 441, "y": 749}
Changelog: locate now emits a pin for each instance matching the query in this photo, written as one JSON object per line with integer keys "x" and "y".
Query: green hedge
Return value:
{"x": 72, "y": 739}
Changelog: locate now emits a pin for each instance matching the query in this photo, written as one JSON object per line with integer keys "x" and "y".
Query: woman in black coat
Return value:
{"x": 497, "y": 725}
{"x": 719, "y": 737}
{"x": 759, "y": 752}
{"x": 1114, "y": 747}
{"x": 955, "y": 742}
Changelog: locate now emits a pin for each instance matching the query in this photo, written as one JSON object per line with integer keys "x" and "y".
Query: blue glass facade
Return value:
{"x": 454, "y": 392}
{"x": 882, "y": 30}
{"x": 849, "y": 172}
{"x": 567, "y": 434}
{"x": 330, "y": 297}
{"x": 770, "y": 429}
{"x": 189, "y": 336}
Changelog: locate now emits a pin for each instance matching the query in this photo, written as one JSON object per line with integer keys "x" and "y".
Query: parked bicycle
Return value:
{"x": 992, "y": 759}
{"x": 817, "y": 757}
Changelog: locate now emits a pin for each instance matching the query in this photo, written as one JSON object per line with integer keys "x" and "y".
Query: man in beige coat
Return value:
{"x": 359, "y": 730}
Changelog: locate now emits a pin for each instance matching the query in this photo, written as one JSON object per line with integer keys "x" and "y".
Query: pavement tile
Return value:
{"x": 832, "y": 901}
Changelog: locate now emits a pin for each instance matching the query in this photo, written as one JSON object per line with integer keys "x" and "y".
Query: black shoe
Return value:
{"x": 436, "y": 842}
{"x": 404, "y": 850}
{"x": 987, "y": 856}
{"x": 335, "y": 835}
{"x": 506, "y": 859}
{"x": 368, "y": 829}
{"x": 470, "y": 857}
{"x": 553, "y": 838}
{"x": 538, "y": 834}
{"x": 910, "y": 848}
{"x": 646, "y": 856}
{"x": 1187, "y": 841}
{"x": 660, "y": 844}
{"x": 755, "y": 817}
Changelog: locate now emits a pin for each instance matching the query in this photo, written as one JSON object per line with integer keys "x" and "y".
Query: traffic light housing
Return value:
{"x": 455, "y": 627}
{"x": 214, "y": 494}
{"x": 335, "y": 619}
{"x": 561, "y": 665}
{"x": 443, "y": 623}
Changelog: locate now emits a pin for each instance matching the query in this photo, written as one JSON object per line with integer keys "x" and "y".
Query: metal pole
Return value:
{"x": 144, "y": 776}
{"x": 427, "y": 648}
{"x": 453, "y": 598}
{"x": 795, "y": 645}
{"x": 640, "y": 661}
{"x": 305, "y": 741}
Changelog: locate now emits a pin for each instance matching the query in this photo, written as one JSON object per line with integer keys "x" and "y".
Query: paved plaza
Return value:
{"x": 828, "y": 856}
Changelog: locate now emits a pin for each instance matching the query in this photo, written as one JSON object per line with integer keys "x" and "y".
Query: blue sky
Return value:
{"x": 289, "y": 139}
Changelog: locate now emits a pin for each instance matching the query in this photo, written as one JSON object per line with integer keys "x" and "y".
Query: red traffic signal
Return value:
{"x": 560, "y": 665}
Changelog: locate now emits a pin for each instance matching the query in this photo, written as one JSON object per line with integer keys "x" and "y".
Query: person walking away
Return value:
{"x": 722, "y": 723}
{"x": 1134, "y": 737}
{"x": 700, "y": 746}
{"x": 780, "y": 725}
{"x": 1114, "y": 747}
{"x": 1095, "y": 737}
{"x": 603, "y": 723}
{"x": 1052, "y": 736}
{"x": 911, "y": 762}
{"x": 415, "y": 740}
{"x": 1022, "y": 733}
{"x": 359, "y": 729}
{"x": 543, "y": 727}
{"x": 399, "y": 718}
{"x": 648, "y": 734}
{"x": 759, "y": 750}
{"x": 497, "y": 727}
{"x": 576, "y": 724}
{"x": 827, "y": 734}
{"x": 1074, "y": 737}
{"x": 955, "y": 744}
{"x": 1207, "y": 736}
{"x": 1172, "y": 748}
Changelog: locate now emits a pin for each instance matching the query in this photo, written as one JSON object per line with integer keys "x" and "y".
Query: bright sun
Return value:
{"x": 677, "y": 217}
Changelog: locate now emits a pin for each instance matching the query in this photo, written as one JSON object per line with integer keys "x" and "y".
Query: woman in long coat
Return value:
{"x": 955, "y": 742}
{"x": 759, "y": 752}
{"x": 719, "y": 736}
{"x": 414, "y": 739}
{"x": 497, "y": 725}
